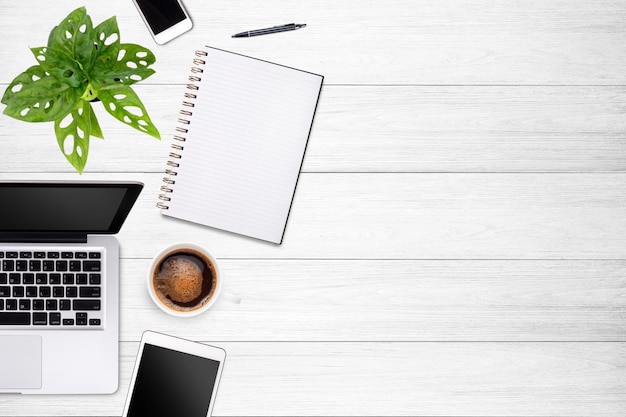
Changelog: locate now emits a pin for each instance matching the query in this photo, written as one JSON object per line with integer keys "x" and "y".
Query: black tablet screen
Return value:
{"x": 171, "y": 383}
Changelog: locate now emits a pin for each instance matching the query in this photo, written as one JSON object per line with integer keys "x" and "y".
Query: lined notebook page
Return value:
{"x": 245, "y": 145}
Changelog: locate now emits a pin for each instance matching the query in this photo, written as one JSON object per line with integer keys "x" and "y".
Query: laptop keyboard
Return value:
{"x": 56, "y": 289}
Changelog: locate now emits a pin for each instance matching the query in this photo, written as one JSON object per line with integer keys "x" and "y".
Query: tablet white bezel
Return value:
{"x": 179, "y": 345}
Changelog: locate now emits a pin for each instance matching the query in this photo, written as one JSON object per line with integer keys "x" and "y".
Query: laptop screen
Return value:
{"x": 75, "y": 207}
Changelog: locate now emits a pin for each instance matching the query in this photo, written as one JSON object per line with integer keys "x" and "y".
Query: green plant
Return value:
{"x": 80, "y": 64}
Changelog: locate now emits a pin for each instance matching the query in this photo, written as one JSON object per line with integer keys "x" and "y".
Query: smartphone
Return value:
{"x": 166, "y": 19}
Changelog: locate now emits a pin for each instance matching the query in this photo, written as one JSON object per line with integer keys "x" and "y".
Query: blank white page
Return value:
{"x": 245, "y": 145}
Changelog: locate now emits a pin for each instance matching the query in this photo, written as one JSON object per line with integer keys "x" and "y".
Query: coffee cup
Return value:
{"x": 184, "y": 280}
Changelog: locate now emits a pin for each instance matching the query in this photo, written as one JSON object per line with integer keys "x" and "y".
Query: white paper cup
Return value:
{"x": 164, "y": 300}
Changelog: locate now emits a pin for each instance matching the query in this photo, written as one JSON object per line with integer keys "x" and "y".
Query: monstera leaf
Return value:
{"x": 123, "y": 104}
{"x": 81, "y": 64}
{"x": 36, "y": 96}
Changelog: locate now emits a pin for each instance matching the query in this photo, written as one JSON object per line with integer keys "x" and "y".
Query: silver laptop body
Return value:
{"x": 59, "y": 285}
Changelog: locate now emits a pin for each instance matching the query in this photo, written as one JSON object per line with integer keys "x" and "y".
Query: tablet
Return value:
{"x": 173, "y": 377}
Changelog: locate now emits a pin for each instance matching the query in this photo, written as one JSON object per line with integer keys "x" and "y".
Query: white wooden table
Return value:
{"x": 457, "y": 242}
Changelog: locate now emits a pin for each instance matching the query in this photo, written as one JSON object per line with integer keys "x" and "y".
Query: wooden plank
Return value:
{"x": 411, "y": 216}
{"x": 377, "y": 300}
{"x": 393, "y": 42}
{"x": 395, "y": 379}
{"x": 494, "y": 290}
{"x": 385, "y": 129}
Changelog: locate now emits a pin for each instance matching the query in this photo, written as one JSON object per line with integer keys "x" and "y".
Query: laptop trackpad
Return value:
{"x": 21, "y": 362}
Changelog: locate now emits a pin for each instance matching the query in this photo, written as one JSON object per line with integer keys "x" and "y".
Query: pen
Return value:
{"x": 274, "y": 29}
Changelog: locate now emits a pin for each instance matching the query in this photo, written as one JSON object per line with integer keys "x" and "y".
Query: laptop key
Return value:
{"x": 55, "y": 319}
{"x": 95, "y": 279}
{"x": 26, "y": 255}
{"x": 85, "y": 305}
{"x": 65, "y": 305}
{"x": 67, "y": 255}
{"x": 15, "y": 318}
{"x": 8, "y": 265}
{"x": 68, "y": 279}
{"x": 13, "y": 255}
{"x": 94, "y": 255}
{"x": 3, "y": 278}
{"x": 55, "y": 279}
{"x": 89, "y": 292}
{"x": 81, "y": 255}
{"x": 34, "y": 265}
{"x": 28, "y": 278}
{"x": 11, "y": 304}
{"x": 61, "y": 266}
{"x": 24, "y": 304}
{"x": 91, "y": 266}
{"x": 40, "y": 255}
{"x": 15, "y": 278}
{"x": 42, "y": 279}
{"x": 53, "y": 255}
{"x": 75, "y": 266}
{"x": 21, "y": 265}
{"x": 68, "y": 322}
{"x": 48, "y": 266}
{"x": 5, "y": 291}
{"x": 81, "y": 319}
{"x": 18, "y": 292}
{"x": 40, "y": 319}
{"x": 81, "y": 279}
{"x": 45, "y": 291}
{"x": 94, "y": 322}
{"x": 38, "y": 304}
{"x": 31, "y": 291}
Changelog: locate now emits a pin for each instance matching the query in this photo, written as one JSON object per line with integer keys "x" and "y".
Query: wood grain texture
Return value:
{"x": 398, "y": 129}
{"x": 456, "y": 246}
{"x": 387, "y": 301}
{"x": 412, "y": 216}
{"x": 401, "y": 42}
{"x": 395, "y": 379}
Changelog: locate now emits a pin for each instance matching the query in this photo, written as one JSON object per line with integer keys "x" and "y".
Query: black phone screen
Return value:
{"x": 161, "y": 14}
{"x": 172, "y": 383}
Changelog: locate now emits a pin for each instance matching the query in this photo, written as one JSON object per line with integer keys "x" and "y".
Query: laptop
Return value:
{"x": 59, "y": 285}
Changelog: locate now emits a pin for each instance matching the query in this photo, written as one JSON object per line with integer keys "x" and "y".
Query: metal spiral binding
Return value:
{"x": 184, "y": 122}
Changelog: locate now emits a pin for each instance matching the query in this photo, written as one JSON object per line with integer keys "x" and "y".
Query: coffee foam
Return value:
{"x": 175, "y": 280}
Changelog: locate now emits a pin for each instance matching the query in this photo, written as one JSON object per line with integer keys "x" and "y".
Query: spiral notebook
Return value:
{"x": 240, "y": 144}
